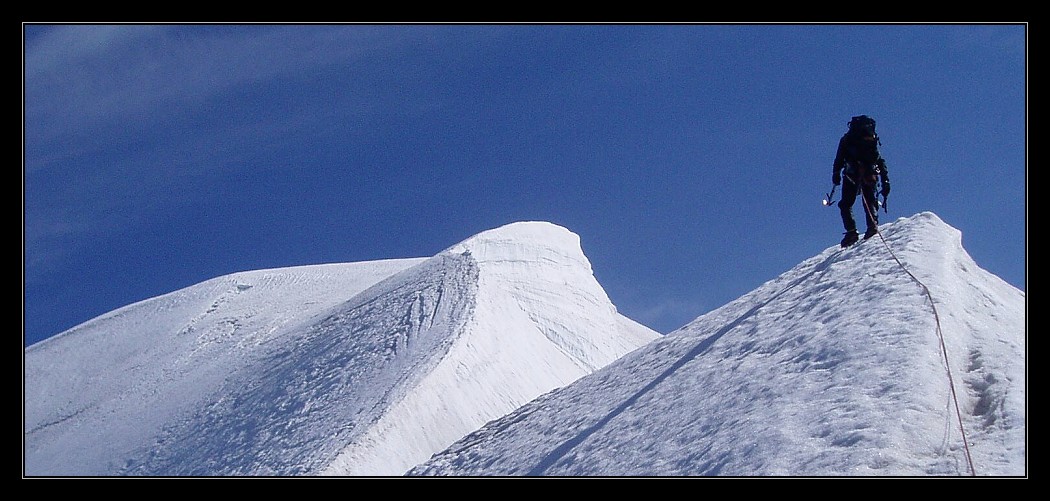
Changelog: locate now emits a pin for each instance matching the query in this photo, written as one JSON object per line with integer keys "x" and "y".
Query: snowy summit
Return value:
{"x": 502, "y": 355}
{"x": 347, "y": 369}
{"x": 834, "y": 368}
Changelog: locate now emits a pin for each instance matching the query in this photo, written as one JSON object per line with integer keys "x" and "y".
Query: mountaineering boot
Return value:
{"x": 870, "y": 232}
{"x": 850, "y": 238}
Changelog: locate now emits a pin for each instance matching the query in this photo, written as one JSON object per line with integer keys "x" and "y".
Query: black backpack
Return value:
{"x": 862, "y": 123}
{"x": 862, "y": 143}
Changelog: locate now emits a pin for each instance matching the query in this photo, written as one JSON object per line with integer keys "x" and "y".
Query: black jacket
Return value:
{"x": 858, "y": 153}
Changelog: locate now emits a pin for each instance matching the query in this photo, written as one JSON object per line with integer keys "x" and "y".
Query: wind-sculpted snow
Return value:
{"x": 503, "y": 356}
{"x": 357, "y": 369}
{"x": 104, "y": 388}
{"x": 833, "y": 368}
{"x": 540, "y": 321}
{"x": 288, "y": 412}
{"x": 541, "y": 269}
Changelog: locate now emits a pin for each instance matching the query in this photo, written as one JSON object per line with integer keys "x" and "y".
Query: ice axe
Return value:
{"x": 828, "y": 200}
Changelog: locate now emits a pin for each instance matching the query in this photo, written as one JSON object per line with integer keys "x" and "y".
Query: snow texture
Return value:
{"x": 344, "y": 369}
{"x": 502, "y": 356}
{"x": 835, "y": 368}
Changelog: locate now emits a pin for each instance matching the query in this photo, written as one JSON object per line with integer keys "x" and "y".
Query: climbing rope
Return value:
{"x": 940, "y": 334}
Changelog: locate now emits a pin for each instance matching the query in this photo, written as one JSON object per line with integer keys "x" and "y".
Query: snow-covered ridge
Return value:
{"x": 300, "y": 401}
{"x": 526, "y": 242}
{"x": 358, "y": 368}
{"x": 540, "y": 320}
{"x": 833, "y": 368}
{"x": 126, "y": 374}
{"x": 542, "y": 268}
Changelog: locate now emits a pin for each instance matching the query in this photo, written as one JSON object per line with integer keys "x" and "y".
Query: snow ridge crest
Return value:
{"x": 525, "y": 242}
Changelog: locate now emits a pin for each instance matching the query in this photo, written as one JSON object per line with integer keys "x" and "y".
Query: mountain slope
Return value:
{"x": 363, "y": 368}
{"x": 540, "y": 321}
{"x": 834, "y": 368}
{"x": 126, "y": 374}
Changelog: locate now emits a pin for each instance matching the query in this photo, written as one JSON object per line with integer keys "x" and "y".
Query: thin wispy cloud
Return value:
{"x": 119, "y": 118}
{"x": 168, "y": 154}
{"x": 80, "y": 79}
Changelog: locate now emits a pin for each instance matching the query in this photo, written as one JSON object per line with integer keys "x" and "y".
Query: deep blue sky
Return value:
{"x": 690, "y": 159}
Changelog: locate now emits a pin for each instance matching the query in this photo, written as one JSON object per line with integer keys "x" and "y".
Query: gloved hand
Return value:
{"x": 836, "y": 178}
{"x": 885, "y": 188}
